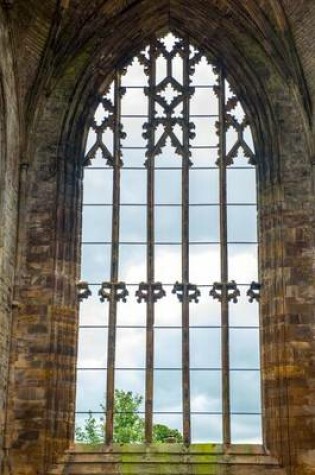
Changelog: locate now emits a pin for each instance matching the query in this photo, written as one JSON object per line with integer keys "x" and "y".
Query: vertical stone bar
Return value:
{"x": 185, "y": 251}
{"x": 110, "y": 393}
{"x": 224, "y": 268}
{"x": 150, "y": 258}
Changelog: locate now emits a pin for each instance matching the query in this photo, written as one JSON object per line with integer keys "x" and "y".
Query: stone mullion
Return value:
{"x": 186, "y": 384}
{"x": 225, "y": 349}
{"x": 150, "y": 250}
{"x": 114, "y": 271}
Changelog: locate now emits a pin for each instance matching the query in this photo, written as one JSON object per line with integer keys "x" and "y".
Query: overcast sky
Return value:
{"x": 204, "y": 270}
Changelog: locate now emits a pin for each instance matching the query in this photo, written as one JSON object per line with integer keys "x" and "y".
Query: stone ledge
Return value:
{"x": 170, "y": 459}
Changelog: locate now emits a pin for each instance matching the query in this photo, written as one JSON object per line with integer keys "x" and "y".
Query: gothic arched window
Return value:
{"x": 169, "y": 251}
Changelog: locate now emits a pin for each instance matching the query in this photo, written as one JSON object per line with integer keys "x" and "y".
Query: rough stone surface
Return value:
{"x": 9, "y": 162}
{"x": 201, "y": 459}
{"x": 55, "y": 57}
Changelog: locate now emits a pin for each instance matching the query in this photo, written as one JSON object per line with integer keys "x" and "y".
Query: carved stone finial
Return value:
{"x": 253, "y": 292}
{"x": 190, "y": 291}
{"x": 118, "y": 289}
{"x": 148, "y": 291}
{"x": 232, "y": 292}
{"x": 83, "y": 290}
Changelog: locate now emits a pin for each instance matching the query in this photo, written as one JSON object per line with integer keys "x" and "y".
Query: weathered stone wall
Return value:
{"x": 43, "y": 355}
{"x": 9, "y": 159}
{"x": 63, "y": 54}
{"x": 200, "y": 459}
{"x": 287, "y": 273}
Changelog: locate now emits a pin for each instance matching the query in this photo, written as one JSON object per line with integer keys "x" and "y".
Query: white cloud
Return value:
{"x": 204, "y": 269}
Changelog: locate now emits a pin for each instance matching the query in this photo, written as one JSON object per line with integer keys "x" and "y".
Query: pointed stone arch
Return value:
{"x": 40, "y": 414}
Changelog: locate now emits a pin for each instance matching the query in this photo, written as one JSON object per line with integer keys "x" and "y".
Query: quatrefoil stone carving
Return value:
{"x": 116, "y": 289}
{"x": 150, "y": 292}
{"x": 190, "y": 291}
{"x": 232, "y": 292}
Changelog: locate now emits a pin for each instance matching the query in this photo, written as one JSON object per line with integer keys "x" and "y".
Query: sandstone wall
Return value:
{"x": 55, "y": 57}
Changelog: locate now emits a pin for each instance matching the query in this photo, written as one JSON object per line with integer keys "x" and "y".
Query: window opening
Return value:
{"x": 169, "y": 292}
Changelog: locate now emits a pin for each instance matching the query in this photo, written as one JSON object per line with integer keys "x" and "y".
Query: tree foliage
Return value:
{"x": 163, "y": 433}
{"x": 91, "y": 433}
{"x": 128, "y": 424}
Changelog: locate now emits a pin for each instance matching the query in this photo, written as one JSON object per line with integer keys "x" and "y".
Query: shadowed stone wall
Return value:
{"x": 9, "y": 162}
{"x": 57, "y": 57}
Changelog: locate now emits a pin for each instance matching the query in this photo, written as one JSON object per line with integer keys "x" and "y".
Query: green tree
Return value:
{"x": 128, "y": 424}
{"x": 163, "y": 433}
{"x": 91, "y": 433}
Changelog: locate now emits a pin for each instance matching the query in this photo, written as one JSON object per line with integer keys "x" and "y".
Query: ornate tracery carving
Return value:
{"x": 169, "y": 120}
